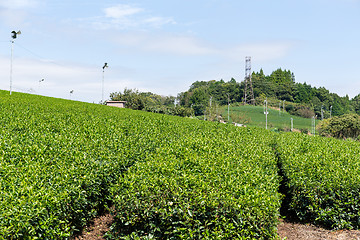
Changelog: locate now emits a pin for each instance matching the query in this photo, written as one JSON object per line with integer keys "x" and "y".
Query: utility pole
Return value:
{"x": 228, "y": 107}
{"x": 205, "y": 114}
{"x": 248, "y": 90}
{"x": 284, "y": 106}
{"x": 209, "y": 118}
{"x": 265, "y": 112}
{"x": 313, "y": 123}
{"x": 71, "y": 92}
{"x": 279, "y": 108}
{"x": 14, "y": 36}
{"x": 41, "y": 80}
{"x": 330, "y": 110}
{"x": 103, "y": 76}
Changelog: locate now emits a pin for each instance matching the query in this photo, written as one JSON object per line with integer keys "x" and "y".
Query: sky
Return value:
{"x": 163, "y": 46}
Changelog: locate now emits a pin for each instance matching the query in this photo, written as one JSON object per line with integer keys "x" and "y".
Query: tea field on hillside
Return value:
{"x": 64, "y": 162}
{"x": 254, "y": 117}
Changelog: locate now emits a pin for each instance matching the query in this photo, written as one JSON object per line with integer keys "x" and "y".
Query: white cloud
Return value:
{"x": 158, "y": 21}
{"x": 185, "y": 45}
{"x": 121, "y": 11}
{"x": 14, "y": 12}
{"x": 165, "y": 44}
{"x": 261, "y": 51}
{"x": 12, "y": 17}
{"x": 179, "y": 45}
{"x": 17, "y": 4}
{"x": 123, "y": 16}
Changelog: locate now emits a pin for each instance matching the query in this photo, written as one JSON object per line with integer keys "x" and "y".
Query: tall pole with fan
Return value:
{"x": 103, "y": 76}
{"x": 14, "y": 35}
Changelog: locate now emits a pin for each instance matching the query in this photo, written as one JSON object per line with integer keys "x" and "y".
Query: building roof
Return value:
{"x": 115, "y": 101}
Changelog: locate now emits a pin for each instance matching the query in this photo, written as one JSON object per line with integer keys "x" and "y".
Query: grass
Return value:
{"x": 254, "y": 116}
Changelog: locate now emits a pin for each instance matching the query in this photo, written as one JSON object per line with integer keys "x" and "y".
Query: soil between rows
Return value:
{"x": 296, "y": 231}
{"x": 286, "y": 230}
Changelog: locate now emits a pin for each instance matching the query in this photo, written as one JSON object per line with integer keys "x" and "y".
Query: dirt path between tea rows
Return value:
{"x": 97, "y": 229}
{"x": 286, "y": 230}
{"x": 296, "y": 231}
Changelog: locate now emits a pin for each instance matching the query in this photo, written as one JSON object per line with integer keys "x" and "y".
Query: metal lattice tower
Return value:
{"x": 248, "y": 90}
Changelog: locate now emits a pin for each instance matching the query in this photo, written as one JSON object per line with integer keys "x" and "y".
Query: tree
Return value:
{"x": 199, "y": 100}
{"x": 303, "y": 93}
{"x": 151, "y": 102}
{"x": 284, "y": 81}
{"x": 279, "y": 85}
{"x": 133, "y": 98}
{"x": 263, "y": 85}
{"x": 355, "y": 102}
{"x": 345, "y": 126}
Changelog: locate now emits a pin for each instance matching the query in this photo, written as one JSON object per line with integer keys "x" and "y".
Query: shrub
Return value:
{"x": 289, "y": 108}
{"x": 201, "y": 186}
{"x": 323, "y": 179}
{"x": 58, "y": 160}
{"x": 345, "y": 126}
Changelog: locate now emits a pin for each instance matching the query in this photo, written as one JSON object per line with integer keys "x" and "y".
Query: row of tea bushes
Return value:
{"x": 323, "y": 179}
{"x": 63, "y": 162}
{"x": 208, "y": 182}
{"x": 58, "y": 160}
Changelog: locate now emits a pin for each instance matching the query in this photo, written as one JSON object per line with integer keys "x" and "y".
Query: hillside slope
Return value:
{"x": 254, "y": 116}
{"x": 62, "y": 163}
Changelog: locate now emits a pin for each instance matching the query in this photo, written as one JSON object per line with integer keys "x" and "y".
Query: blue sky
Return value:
{"x": 164, "y": 46}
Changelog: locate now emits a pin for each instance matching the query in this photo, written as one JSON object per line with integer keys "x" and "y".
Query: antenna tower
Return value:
{"x": 248, "y": 90}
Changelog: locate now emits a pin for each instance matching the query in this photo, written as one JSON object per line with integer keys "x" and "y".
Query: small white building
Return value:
{"x": 239, "y": 124}
{"x": 119, "y": 104}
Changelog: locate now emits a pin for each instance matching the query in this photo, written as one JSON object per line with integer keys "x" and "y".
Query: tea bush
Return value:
{"x": 323, "y": 178}
{"x": 209, "y": 181}
{"x": 63, "y": 162}
{"x": 58, "y": 159}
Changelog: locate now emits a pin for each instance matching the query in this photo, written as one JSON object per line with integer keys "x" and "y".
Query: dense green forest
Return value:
{"x": 300, "y": 98}
{"x": 279, "y": 88}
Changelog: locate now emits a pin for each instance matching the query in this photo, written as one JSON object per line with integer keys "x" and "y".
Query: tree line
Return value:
{"x": 301, "y": 98}
{"x": 280, "y": 86}
{"x": 151, "y": 102}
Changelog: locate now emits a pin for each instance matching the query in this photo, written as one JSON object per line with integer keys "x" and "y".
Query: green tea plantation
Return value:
{"x": 62, "y": 163}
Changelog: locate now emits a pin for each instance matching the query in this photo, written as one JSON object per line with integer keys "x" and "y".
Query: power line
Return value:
{"x": 29, "y": 51}
{"x": 46, "y": 61}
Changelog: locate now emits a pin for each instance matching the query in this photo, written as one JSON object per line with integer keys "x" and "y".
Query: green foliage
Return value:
{"x": 205, "y": 181}
{"x": 133, "y": 98}
{"x": 300, "y": 110}
{"x": 63, "y": 162}
{"x": 253, "y": 116}
{"x": 355, "y": 103}
{"x": 263, "y": 86}
{"x": 170, "y": 110}
{"x": 199, "y": 93}
{"x": 57, "y": 161}
{"x": 150, "y": 102}
{"x": 279, "y": 85}
{"x": 322, "y": 176}
{"x": 240, "y": 118}
{"x": 345, "y": 126}
{"x": 303, "y": 93}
